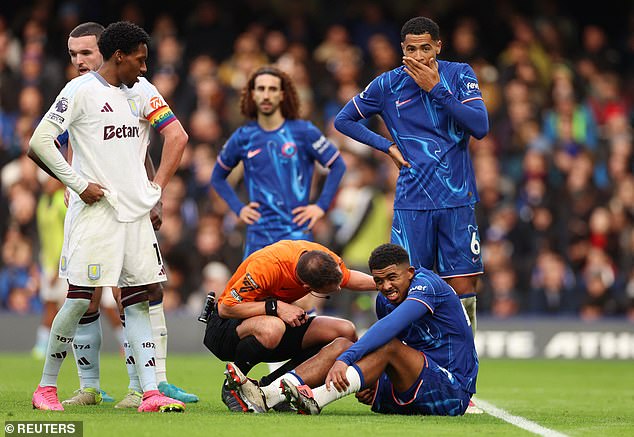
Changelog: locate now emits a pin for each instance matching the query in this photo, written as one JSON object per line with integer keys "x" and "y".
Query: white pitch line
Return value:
{"x": 518, "y": 421}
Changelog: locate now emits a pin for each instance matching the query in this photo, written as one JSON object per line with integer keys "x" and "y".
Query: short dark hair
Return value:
{"x": 290, "y": 104}
{"x": 318, "y": 269}
{"x": 387, "y": 254}
{"x": 124, "y": 36}
{"x": 419, "y": 26}
{"x": 87, "y": 29}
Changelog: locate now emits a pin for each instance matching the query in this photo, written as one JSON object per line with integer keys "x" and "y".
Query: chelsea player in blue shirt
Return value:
{"x": 278, "y": 151}
{"x": 419, "y": 358}
{"x": 431, "y": 108}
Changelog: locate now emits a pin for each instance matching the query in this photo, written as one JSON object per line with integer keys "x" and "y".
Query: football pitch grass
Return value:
{"x": 577, "y": 398}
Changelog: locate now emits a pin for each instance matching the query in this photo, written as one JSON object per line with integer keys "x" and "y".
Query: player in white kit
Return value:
{"x": 109, "y": 239}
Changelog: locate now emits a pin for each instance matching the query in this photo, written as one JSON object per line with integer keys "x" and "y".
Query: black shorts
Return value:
{"x": 222, "y": 339}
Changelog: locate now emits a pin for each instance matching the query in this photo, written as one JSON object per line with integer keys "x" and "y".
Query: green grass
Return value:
{"x": 579, "y": 398}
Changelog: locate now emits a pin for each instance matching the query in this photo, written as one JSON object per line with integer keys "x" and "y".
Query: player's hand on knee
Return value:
{"x": 337, "y": 376}
{"x": 365, "y": 396}
{"x": 93, "y": 193}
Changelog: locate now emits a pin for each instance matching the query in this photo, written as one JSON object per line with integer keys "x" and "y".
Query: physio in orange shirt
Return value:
{"x": 256, "y": 319}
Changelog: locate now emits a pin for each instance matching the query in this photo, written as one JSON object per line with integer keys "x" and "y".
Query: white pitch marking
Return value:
{"x": 518, "y": 421}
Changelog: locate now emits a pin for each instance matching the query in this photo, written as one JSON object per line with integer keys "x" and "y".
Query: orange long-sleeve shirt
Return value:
{"x": 270, "y": 272}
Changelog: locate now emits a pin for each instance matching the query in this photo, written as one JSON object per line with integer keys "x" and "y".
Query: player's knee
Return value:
{"x": 339, "y": 345}
{"x": 270, "y": 331}
{"x": 347, "y": 330}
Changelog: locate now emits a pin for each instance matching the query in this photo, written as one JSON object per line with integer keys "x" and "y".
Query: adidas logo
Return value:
{"x": 83, "y": 361}
{"x": 60, "y": 355}
{"x": 130, "y": 360}
{"x": 150, "y": 363}
{"x": 107, "y": 108}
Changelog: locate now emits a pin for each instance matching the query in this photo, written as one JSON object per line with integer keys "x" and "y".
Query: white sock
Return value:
{"x": 41, "y": 338}
{"x": 130, "y": 363}
{"x": 324, "y": 397}
{"x": 159, "y": 335}
{"x": 61, "y": 337}
{"x": 86, "y": 348}
{"x": 138, "y": 331}
{"x": 273, "y": 394}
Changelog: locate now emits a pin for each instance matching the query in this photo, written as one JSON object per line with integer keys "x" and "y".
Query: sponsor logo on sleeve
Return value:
{"x": 55, "y": 118}
{"x": 236, "y": 295}
{"x": 321, "y": 145}
{"x": 472, "y": 86}
{"x": 156, "y": 102}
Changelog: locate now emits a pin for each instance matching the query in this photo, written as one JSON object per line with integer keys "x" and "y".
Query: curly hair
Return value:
{"x": 318, "y": 269}
{"x": 124, "y": 36}
{"x": 386, "y": 255}
{"x": 290, "y": 103}
{"x": 419, "y": 26}
{"x": 87, "y": 29}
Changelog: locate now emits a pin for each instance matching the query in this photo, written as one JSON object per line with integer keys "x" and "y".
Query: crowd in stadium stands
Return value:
{"x": 555, "y": 174}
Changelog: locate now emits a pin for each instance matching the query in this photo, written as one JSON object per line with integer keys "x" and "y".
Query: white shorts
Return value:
{"x": 55, "y": 292}
{"x": 101, "y": 251}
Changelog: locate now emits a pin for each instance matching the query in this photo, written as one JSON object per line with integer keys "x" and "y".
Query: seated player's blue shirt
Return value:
{"x": 432, "y": 320}
{"x": 278, "y": 168}
{"x": 432, "y": 131}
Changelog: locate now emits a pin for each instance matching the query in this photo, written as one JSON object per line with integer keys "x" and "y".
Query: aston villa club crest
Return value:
{"x": 94, "y": 271}
{"x": 133, "y": 107}
{"x": 61, "y": 105}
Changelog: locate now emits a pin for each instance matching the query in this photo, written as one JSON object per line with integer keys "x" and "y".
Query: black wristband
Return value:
{"x": 270, "y": 307}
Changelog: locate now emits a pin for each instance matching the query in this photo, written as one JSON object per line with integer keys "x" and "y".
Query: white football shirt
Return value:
{"x": 108, "y": 142}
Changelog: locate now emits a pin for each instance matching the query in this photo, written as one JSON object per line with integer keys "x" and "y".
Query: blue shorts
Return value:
{"x": 444, "y": 240}
{"x": 435, "y": 393}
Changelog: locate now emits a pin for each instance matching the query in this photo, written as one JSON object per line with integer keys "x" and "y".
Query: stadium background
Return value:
{"x": 554, "y": 174}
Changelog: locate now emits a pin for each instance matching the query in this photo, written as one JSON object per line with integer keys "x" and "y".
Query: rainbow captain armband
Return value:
{"x": 161, "y": 117}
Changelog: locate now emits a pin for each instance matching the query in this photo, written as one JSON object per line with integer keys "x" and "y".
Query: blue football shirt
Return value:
{"x": 431, "y": 130}
{"x": 278, "y": 168}
{"x": 432, "y": 320}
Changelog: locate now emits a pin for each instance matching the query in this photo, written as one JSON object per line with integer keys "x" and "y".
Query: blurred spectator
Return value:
{"x": 555, "y": 174}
